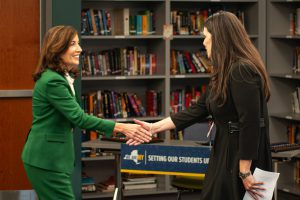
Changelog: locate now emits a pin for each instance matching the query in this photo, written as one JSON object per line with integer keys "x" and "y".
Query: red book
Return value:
{"x": 134, "y": 105}
{"x": 187, "y": 56}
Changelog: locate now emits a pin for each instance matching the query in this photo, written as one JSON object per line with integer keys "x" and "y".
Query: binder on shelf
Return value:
{"x": 121, "y": 21}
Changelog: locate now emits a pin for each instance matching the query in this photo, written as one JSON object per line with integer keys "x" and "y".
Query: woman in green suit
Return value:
{"x": 48, "y": 154}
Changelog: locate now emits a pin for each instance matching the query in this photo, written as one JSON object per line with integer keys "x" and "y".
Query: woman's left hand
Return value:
{"x": 253, "y": 187}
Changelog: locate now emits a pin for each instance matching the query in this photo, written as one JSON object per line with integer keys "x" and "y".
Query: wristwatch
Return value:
{"x": 244, "y": 175}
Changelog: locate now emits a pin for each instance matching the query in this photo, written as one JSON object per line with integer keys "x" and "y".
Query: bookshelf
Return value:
{"x": 281, "y": 44}
{"x": 163, "y": 80}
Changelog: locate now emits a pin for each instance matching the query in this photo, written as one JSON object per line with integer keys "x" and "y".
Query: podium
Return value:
{"x": 174, "y": 157}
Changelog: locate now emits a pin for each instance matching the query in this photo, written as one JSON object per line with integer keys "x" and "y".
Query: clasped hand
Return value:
{"x": 146, "y": 126}
{"x": 137, "y": 133}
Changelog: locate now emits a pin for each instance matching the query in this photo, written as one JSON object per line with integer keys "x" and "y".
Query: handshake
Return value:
{"x": 137, "y": 133}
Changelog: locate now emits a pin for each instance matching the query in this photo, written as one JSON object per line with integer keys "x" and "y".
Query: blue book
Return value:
{"x": 138, "y": 24}
{"x": 104, "y": 22}
{"x": 88, "y": 14}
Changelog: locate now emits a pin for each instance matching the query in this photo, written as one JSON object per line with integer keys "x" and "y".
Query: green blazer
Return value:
{"x": 55, "y": 112}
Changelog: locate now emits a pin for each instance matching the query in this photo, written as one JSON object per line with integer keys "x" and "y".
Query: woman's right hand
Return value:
{"x": 253, "y": 187}
{"x": 147, "y": 126}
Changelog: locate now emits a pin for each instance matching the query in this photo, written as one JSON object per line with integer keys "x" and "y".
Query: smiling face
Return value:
{"x": 72, "y": 56}
{"x": 207, "y": 41}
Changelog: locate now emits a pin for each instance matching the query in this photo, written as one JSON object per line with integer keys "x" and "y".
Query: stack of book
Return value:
{"x": 87, "y": 184}
{"x": 107, "y": 185}
{"x": 137, "y": 183}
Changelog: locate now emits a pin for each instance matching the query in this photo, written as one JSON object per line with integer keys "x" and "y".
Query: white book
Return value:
{"x": 152, "y": 178}
{"x": 295, "y": 102}
{"x": 126, "y": 21}
{"x": 138, "y": 182}
{"x": 140, "y": 186}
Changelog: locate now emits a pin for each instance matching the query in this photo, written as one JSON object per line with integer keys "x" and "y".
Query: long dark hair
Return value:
{"x": 56, "y": 42}
{"x": 230, "y": 45}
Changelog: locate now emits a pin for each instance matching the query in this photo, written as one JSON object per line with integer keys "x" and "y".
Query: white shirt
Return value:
{"x": 70, "y": 81}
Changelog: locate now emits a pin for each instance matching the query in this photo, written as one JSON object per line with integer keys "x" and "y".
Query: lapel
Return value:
{"x": 68, "y": 85}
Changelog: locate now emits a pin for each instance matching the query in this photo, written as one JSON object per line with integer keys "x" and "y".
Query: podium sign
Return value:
{"x": 171, "y": 160}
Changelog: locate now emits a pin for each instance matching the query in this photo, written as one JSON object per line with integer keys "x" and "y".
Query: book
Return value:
{"x": 139, "y": 178}
{"x": 101, "y": 22}
{"x": 138, "y": 24}
{"x": 139, "y": 105}
{"x": 140, "y": 186}
{"x": 84, "y": 23}
{"x": 108, "y": 185}
{"x": 108, "y": 22}
{"x": 90, "y": 24}
{"x": 87, "y": 183}
{"x": 95, "y": 31}
{"x": 295, "y": 102}
{"x": 121, "y": 21}
{"x": 135, "y": 182}
{"x": 88, "y": 188}
{"x": 132, "y": 25}
{"x": 297, "y": 21}
{"x": 134, "y": 105}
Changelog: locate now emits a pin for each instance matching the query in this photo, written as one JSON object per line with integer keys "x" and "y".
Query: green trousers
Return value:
{"x": 50, "y": 185}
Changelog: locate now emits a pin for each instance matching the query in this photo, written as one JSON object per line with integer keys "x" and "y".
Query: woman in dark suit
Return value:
{"x": 236, "y": 98}
{"x": 48, "y": 154}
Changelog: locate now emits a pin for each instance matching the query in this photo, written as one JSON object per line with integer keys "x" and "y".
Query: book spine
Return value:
{"x": 134, "y": 106}
{"x": 126, "y": 21}
{"x": 138, "y": 24}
